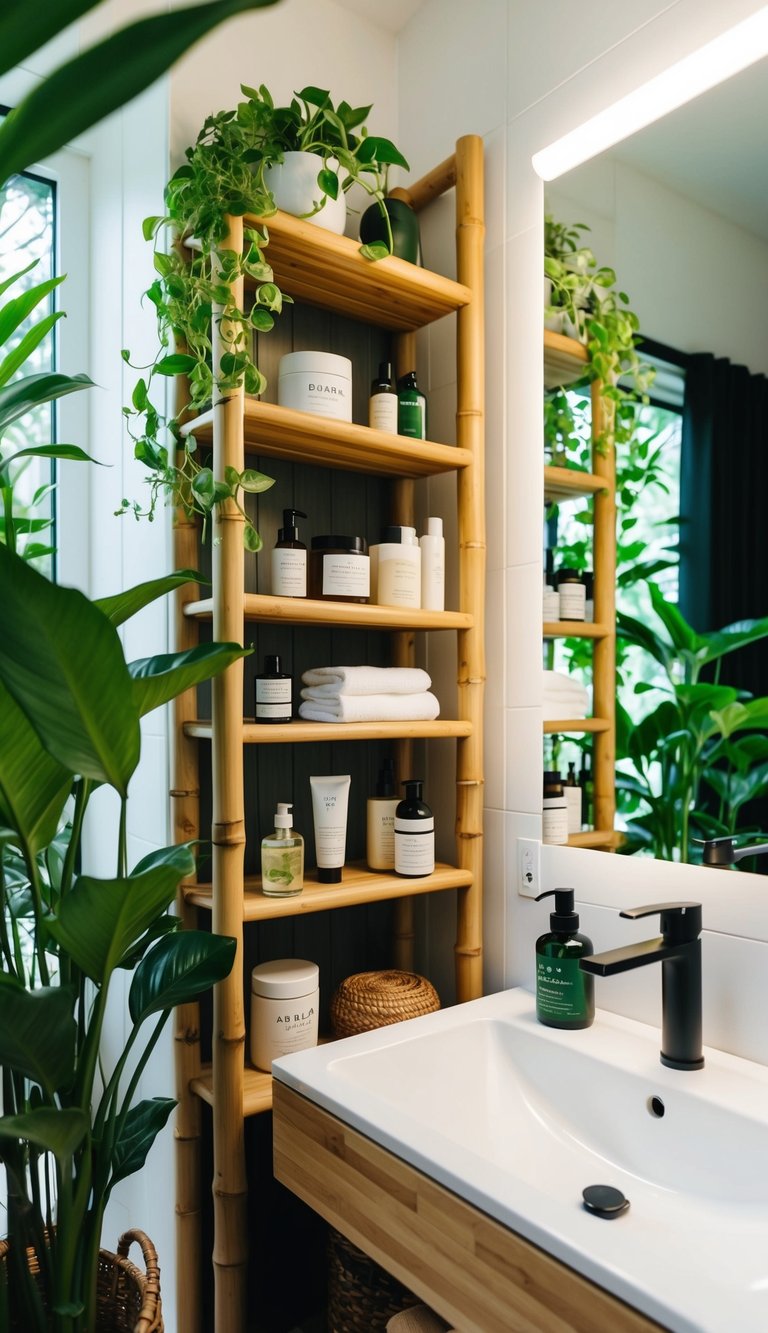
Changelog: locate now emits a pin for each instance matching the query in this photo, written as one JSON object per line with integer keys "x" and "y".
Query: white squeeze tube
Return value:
{"x": 330, "y": 799}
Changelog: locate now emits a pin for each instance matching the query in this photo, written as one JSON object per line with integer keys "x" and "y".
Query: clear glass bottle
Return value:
{"x": 282, "y": 857}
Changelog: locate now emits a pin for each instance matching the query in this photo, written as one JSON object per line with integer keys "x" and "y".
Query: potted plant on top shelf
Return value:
{"x": 234, "y": 168}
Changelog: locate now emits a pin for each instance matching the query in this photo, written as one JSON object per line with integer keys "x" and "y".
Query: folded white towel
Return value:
{"x": 557, "y": 683}
{"x": 369, "y": 707}
{"x": 367, "y": 680}
{"x": 559, "y": 712}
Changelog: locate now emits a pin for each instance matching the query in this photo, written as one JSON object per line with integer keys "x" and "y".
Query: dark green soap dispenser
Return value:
{"x": 565, "y": 996}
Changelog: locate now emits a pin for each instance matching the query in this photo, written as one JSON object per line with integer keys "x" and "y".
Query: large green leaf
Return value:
{"x": 73, "y": 452}
{"x": 727, "y": 640}
{"x": 37, "y": 1033}
{"x": 179, "y": 855}
{"x": 62, "y": 661}
{"x": 33, "y": 786}
{"x": 636, "y": 631}
{"x": 123, "y": 605}
{"x": 58, "y": 1131}
{"x": 24, "y": 28}
{"x": 23, "y": 395}
{"x": 158, "y": 679}
{"x": 100, "y": 920}
{"x": 103, "y": 78}
{"x": 142, "y": 1126}
{"x": 15, "y": 311}
{"x": 683, "y": 637}
{"x": 24, "y": 349}
{"x": 177, "y": 970}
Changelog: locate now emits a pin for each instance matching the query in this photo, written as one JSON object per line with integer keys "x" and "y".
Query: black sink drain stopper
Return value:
{"x": 604, "y": 1200}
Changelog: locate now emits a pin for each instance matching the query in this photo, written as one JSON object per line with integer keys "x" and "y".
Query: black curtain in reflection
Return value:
{"x": 724, "y": 507}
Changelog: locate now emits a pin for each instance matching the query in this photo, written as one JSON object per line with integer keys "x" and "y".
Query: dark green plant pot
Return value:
{"x": 405, "y": 229}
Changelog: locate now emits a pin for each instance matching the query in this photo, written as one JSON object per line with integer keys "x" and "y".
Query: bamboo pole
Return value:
{"x": 604, "y": 664}
{"x": 230, "y": 1248}
{"x": 470, "y": 234}
{"x": 185, "y": 806}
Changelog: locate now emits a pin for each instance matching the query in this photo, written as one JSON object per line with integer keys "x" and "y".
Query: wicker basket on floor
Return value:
{"x": 374, "y": 999}
{"x": 362, "y": 1297}
{"x": 127, "y": 1300}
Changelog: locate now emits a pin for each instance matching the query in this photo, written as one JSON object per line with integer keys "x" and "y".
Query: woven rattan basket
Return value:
{"x": 361, "y": 1296}
{"x": 127, "y": 1300}
{"x": 373, "y": 999}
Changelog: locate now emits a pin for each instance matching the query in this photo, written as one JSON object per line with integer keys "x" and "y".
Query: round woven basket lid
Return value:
{"x": 370, "y": 1000}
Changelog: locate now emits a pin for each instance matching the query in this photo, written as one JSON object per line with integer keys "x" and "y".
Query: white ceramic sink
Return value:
{"x": 518, "y": 1119}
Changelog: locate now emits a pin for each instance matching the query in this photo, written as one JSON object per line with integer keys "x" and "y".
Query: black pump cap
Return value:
{"x": 272, "y": 665}
{"x": 563, "y": 921}
{"x": 289, "y": 532}
{"x": 384, "y": 378}
{"x": 408, "y": 381}
{"x": 413, "y": 788}
{"x": 386, "y": 783}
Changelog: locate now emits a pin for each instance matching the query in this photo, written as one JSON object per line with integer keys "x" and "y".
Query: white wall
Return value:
{"x": 521, "y": 75}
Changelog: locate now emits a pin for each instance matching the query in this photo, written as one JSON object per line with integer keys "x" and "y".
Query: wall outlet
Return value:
{"x": 528, "y": 867}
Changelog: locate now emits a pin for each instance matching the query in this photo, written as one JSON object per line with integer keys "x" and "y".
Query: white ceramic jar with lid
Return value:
{"x": 317, "y": 382}
{"x": 284, "y": 1007}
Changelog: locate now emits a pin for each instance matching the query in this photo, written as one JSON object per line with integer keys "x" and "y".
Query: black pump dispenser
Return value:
{"x": 385, "y": 785}
{"x": 563, "y": 921}
{"x": 289, "y": 531}
{"x": 562, "y": 998}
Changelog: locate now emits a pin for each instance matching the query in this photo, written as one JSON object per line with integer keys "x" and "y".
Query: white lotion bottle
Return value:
{"x": 433, "y": 566}
{"x": 380, "y": 821}
{"x": 396, "y": 568}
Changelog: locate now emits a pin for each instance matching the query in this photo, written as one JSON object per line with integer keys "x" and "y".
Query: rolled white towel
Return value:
{"x": 556, "y": 710}
{"x": 422, "y": 707}
{"x": 557, "y": 683}
{"x": 367, "y": 680}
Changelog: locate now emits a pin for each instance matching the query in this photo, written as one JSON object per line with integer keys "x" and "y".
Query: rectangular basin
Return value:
{"x": 518, "y": 1119}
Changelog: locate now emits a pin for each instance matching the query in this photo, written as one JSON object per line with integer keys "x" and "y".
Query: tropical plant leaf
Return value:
{"x": 24, "y": 349}
{"x": 62, "y": 661}
{"x": 103, "y": 78}
{"x": 33, "y": 786}
{"x": 158, "y": 679}
{"x": 727, "y": 640}
{"x": 72, "y": 452}
{"x": 635, "y": 631}
{"x": 56, "y": 1130}
{"x": 37, "y": 1033}
{"x": 680, "y": 632}
{"x": 21, "y": 396}
{"x": 122, "y": 605}
{"x": 24, "y": 30}
{"x": 15, "y": 311}
{"x": 142, "y": 1126}
{"x": 177, "y": 970}
{"x": 100, "y": 920}
{"x": 179, "y": 855}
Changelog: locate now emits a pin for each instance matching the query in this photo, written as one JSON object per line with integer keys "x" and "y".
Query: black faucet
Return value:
{"x": 723, "y": 852}
{"x": 678, "y": 949}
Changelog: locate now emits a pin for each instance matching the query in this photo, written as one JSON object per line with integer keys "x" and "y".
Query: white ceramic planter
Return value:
{"x": 294, "y": 185}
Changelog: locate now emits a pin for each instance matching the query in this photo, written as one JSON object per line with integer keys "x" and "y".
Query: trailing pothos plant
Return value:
{"x": 225, "y": 174}
{"x": 70, "y": 711}
{"x": 692, "y": 763}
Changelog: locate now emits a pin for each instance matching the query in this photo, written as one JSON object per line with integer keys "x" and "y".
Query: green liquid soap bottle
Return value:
{"x": 282, "y": 857}
{"x": 565, "y": 996}
{"x": 411, "y": 408}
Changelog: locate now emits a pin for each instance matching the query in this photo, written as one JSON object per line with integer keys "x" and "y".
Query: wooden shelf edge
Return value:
{"x": 257, "y": 1089}
{"x": 596, "y": 838}
{"x": 582, "y": 724}
{"x": 307, "y": 611}
{"x": 300, "y": 732}
{"x": 576, "y": 629}
{"x": 358, "y": 886}
{"x": 570, "y": 483}
{"x": 565, "y": 360}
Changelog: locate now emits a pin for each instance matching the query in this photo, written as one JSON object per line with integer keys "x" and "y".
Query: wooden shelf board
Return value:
{"x": 257, "y": 1089}
{"x": 576, "y": 629}
{"x": 306, "y": 611}
{"x": 358, "y": 885}
{"x": 291, "y": 733}
{"x": 565, "y": 360}
{"x": 596, "y": 838}
{"x": 570, "y": 483}
{"x": 305, "y": 437}
{"x": 312, "y": 264}
{"x": 582, "y": 724}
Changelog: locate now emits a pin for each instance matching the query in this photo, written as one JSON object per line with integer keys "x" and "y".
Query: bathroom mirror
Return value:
{"x": 680, "y": 211}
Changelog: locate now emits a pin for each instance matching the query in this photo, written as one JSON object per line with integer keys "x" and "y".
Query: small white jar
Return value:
{"x": 317, "y": 382}
{"x": 284, "y": 1007}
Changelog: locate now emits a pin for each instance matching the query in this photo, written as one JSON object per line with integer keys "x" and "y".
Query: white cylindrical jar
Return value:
{"x": 284, "y": 1007}
{"x": 396, "y": 568}
{"x": 554, "y": 811}
{"x": 317, "y": 382}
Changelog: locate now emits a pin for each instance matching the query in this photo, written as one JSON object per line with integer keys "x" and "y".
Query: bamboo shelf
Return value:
{"x": 570, "y": 483}
{"x": 300, "y": 437}
{"x": 305, "y": 611}
{"x": 326, "y": 271}
{"x": 358, "y": 885}
{"x": 565, "y": 360}
{"x": 575, "y": 629}
{"x": 580, "y": 725}
{"x": 597, "y": 838}
{"x": 299, "y": 733}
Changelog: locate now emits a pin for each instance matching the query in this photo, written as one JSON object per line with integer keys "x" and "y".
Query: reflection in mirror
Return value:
{"x": 679, "y": 213}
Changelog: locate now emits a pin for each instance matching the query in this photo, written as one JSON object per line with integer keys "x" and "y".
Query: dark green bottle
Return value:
{"x": 565, "y": 996}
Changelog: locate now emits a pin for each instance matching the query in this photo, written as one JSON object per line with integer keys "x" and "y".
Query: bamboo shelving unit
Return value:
{"x": 324, "y": 270}
{"x": 565, "y": 362}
